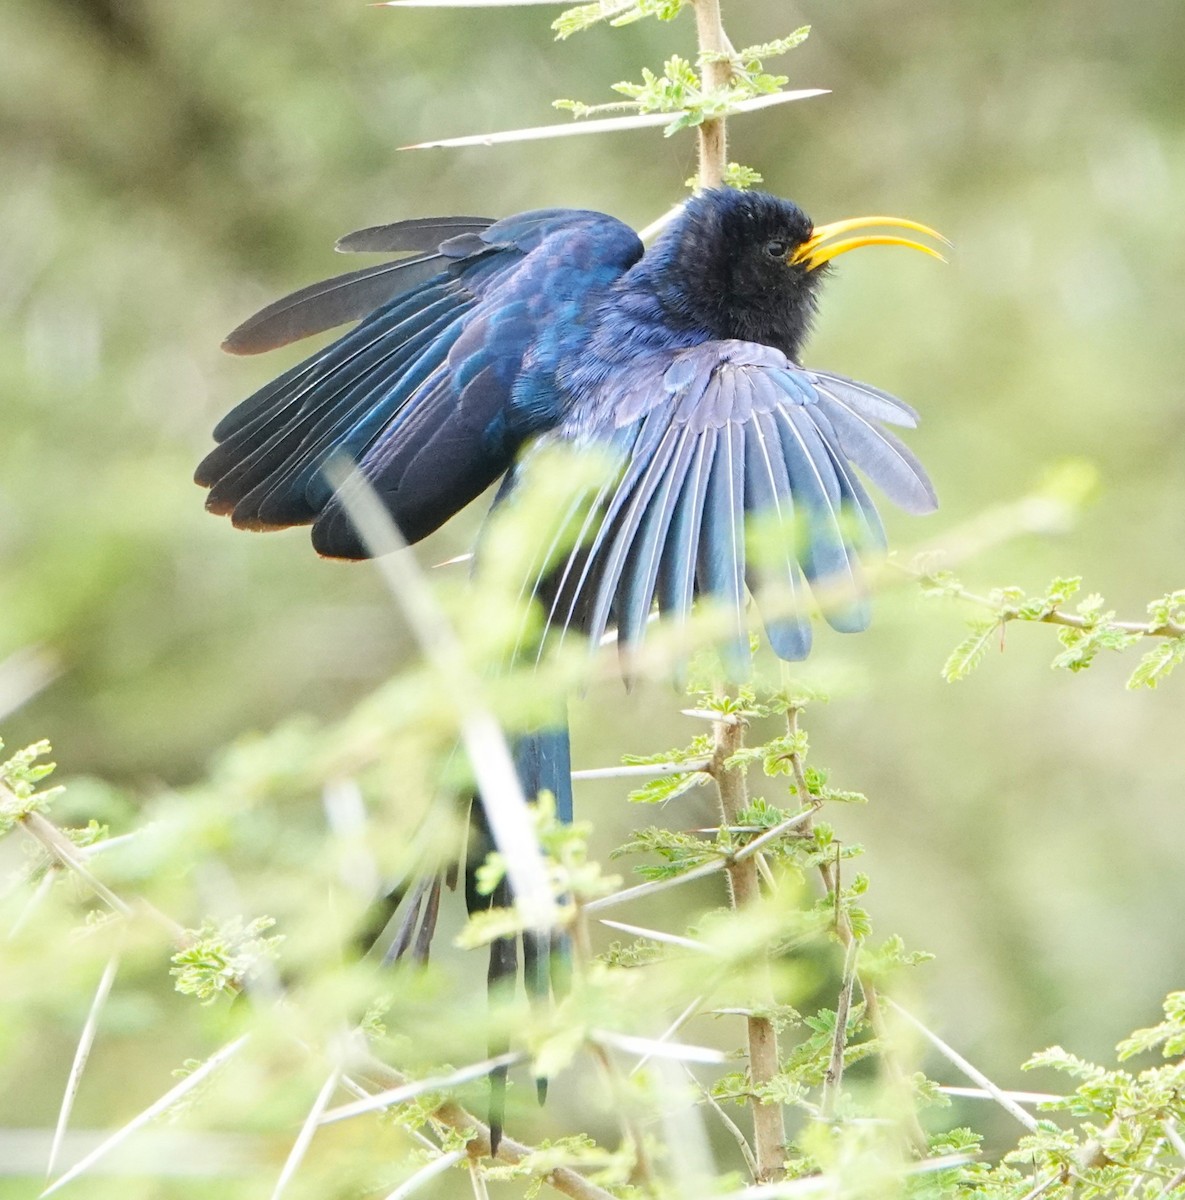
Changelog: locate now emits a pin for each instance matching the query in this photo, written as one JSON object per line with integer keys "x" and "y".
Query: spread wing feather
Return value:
{"x": 422, "y": 393}
{"x": 417, "y": 235}
{"x": 712, "y": 435}
{"x": 284, "y": 446}
{"x": 321, "y": 306}
{"x": 881, "y": 456}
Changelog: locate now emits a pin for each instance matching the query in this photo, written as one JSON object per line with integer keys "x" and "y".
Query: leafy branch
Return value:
{"x": 682, "y": 89}
{"x": 1084, "y": 633}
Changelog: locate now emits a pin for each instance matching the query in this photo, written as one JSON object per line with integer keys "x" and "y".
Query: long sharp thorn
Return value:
{"x": 305, "y": 1136}
{"x": 154, "y": 1110}
{"x": 85, "y": 1041}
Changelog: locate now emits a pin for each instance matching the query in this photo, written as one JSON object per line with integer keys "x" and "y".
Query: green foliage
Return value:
{"x": 681, "y": 87}
{"x": 1084, "y": 633}
{"x": 740, "y": 177}
{"x": 19, "y": 780}
{"x": 616, "y": 12}
{"x": 123, "y": 592}
{"x": 223, "y": 956}
{"x": 662, "y": 788}
{"x": 1168, "y": 1036}
{"x": 1119, "y": 1140}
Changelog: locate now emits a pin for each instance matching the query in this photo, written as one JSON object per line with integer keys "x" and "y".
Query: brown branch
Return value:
{"x": 769, "y": 1130}
{"x": 713, "y": 137}
{"x": 833, "y": 1080}
{"x": 460, "y": 1120}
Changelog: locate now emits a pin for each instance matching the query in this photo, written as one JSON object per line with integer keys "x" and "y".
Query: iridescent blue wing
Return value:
{"x": 708, "y": 437}
{"x": 420, "y": 393}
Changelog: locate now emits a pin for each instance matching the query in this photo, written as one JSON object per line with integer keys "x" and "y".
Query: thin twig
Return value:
{"x": 49, "y": 836}
{"x": 833, "y": 1080}
{"x": 726, "y": 860}
{"x": 643, "y": 1171}
{"x": 655, "y": 1048}
{"x": 43, "y": 889}
{"x": 154, "y": 1110}
{"x": 1055, "y": 616}
{"x": 406, "y": 1090}
{"x": 625, "y": 771}
{"x": 770, "y": 835}
{"x": 670, "y": 1031}
{"x": 728, "y": 1123}
{"x": 304, "y": 1138}
{"x": 657, "y": 885}
{"x": 1175, "y": 1139}
{"x": 453, "y": 1116}
{"x": 969, "y": 1093}
{"x": 1041, "y": 1188}
{"x": 843, "y": 931}
{"x": 426, "y": 1174}
{"x": 1174, "y": 1183}
{"x": 584, "y": 127}
{"x": 477, "y": 1179}
{"x": 659, "y": 935}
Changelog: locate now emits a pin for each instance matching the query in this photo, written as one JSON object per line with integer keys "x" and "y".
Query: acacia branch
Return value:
{"x": 1055, "y": 616}
{"x": 769, "y": 1129}
{"x": 477, "y": 1134}
{"x": 715, "y": 73}
{"x": 847, "y": 938}
{"x": 67, "y": 854}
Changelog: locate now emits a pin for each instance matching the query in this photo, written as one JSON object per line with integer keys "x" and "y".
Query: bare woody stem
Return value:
{"x": 894, "y": 1076}
{"x": 769, "y": 1130}
{"x": 713, "y": 140}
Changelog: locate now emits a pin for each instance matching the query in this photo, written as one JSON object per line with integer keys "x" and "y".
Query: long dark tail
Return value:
{"x": 543, "y": 762}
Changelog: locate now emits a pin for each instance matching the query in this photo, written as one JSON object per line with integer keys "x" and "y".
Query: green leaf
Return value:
{"x": 969, "y": 653}
{"x": 740, "y": 177}
{"x": 1158, "y": 663}
{"x": 19, "y": 777}
{"x": 222, "y": 956}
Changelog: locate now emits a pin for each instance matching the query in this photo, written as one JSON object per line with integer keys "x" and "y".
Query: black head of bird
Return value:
{"x": 747, "y": 265}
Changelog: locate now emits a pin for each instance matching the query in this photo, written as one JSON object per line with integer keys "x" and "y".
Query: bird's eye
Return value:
{"x": 776, "y": 249}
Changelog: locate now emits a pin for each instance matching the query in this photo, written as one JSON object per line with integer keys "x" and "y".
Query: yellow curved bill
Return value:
{"x": 826, "y": 241}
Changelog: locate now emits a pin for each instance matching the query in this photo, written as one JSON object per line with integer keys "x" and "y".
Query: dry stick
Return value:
{"x": 843, "y": 931}
{"x": 769, "y": 1130}
{"x": 452, "y": 1115}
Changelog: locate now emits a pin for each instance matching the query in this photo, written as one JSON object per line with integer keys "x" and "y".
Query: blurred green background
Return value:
{"x": 167, "y": 168}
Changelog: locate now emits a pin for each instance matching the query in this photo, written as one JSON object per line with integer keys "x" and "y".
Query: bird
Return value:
{"x": 490, "y": 340}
